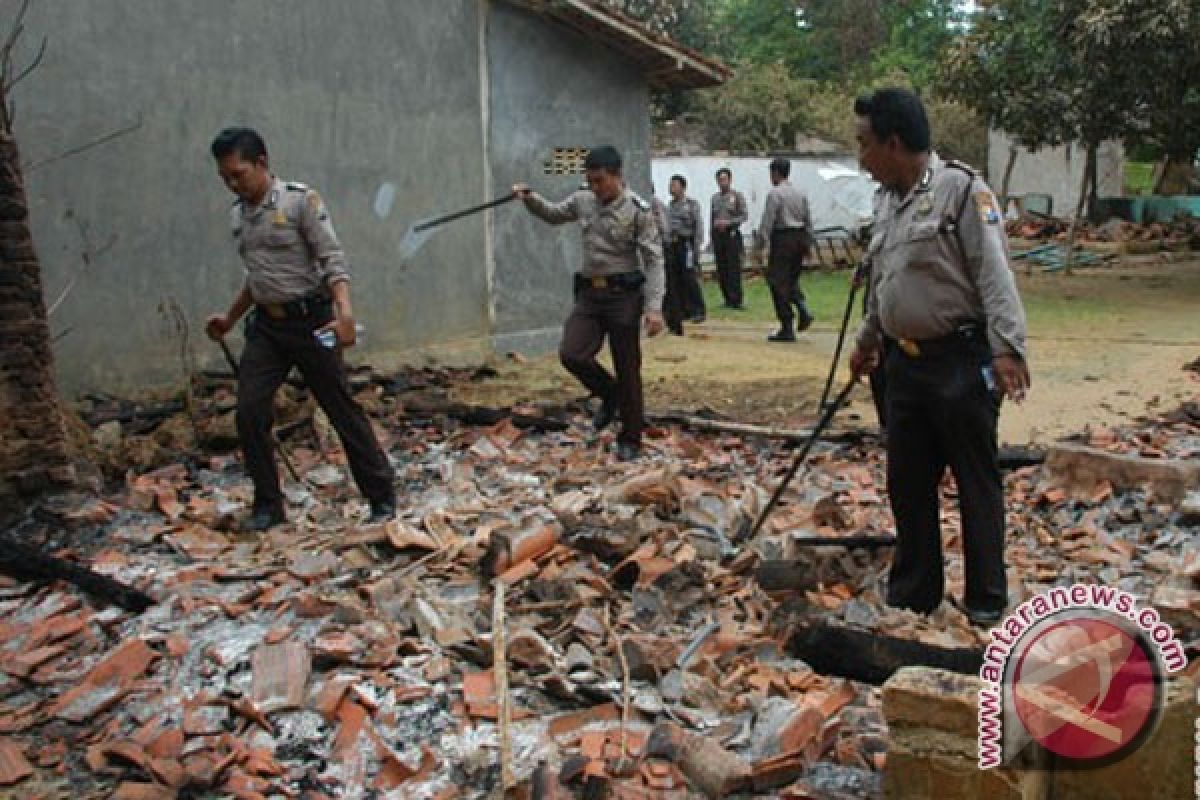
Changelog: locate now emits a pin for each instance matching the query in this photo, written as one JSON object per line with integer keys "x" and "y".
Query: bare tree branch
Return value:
{"x": 74, "y": 151}
{"x": 86, "y": 257}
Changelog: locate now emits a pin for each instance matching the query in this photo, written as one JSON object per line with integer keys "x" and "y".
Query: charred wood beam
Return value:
{"x": 25, "y": 563}
{"x": 871, "y": 657}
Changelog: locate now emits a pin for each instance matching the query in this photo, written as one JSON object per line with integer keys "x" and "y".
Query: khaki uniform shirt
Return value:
{"x": 731, "y": 207}
{"x": 661, "y": 219}
{"x": 619, "y": 237}
{"x": 939, "y": 259}
{"x": 786, "y": 207}
{"x": 287, "y": 244}
{"x": 687, "y": 221}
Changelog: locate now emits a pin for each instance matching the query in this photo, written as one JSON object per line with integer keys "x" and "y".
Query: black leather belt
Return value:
{"x": 964, "y": 338}
{"x": 313, "y": 305}
{"x": 622, "y": 280}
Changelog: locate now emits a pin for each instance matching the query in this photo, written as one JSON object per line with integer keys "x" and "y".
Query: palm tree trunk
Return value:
{"x": 34, "y": 457}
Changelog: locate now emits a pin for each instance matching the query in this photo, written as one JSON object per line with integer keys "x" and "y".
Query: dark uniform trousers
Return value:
{"x": 273, "y": 347}
{"x": 675, "y": 258}
{"x": 617, "y": 314}
{"x": 940, "y": 412}
{"x": 785, "y": 262}
{"x": 727, "y": 250}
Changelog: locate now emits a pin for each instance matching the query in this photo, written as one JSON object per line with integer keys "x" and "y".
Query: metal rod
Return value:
{"x": 837, "y": 351}
{"x": 233, "y": 365}
{"x": 818, "y": 429}
{"x": 433, "y": 223}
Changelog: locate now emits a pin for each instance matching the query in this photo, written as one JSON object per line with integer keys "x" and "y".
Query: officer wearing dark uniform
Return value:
{"x": 297, "y": 291}
{"x": 620, "y": 279}
{"x": 728, "y": 211}
{"x": 786, "y": 228}
{"x": 685, "y": 298}
{"x": 945, "y": 317}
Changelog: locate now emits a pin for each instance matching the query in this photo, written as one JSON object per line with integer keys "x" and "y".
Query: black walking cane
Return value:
{"x": 837, "y": 352}
{"x": 818, "y": 429}
{"x": 233, "y": 365}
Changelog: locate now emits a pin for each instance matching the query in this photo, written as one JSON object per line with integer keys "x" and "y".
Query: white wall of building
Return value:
{"x": 838, "y": 193}
{"x": 1056, "y": 171}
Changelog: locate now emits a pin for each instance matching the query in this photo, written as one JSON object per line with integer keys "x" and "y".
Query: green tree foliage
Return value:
{"x": 801, "y": 63}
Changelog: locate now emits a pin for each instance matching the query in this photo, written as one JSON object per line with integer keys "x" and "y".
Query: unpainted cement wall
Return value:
{"x": 1055, "y": 171}
{"x": 365, "y": 101}
{"x": 551, "y": 88}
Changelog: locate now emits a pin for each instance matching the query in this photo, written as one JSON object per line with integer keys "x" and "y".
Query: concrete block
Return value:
{"x": 1081, "y": 468}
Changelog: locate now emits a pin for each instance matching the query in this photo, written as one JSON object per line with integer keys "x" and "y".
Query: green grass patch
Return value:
{"x": 826, "y": 293}
{"x": 1139, "y": 177}
{"x": 1051, "y": 302}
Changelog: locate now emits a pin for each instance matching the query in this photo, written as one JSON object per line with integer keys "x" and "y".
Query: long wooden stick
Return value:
{"x": 503, "y": 701}
{"x": 741, "y": 428}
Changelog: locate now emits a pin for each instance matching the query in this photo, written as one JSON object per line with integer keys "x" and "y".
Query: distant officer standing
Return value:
{"x": 621, "y": 278}
{"x": 728, "y": 212}
{"x": 945, "y": 316}
{"x": 786, "y": 228}
{"x": 297, "y": 286}
{"x": 661, "y": 220}
{"x": 683, "y": 256}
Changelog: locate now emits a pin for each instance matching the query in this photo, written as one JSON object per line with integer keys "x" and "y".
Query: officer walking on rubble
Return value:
{"x": 944, "y": 316}
{"x": 621, "y": 279}
{"x": 297, "y": 290}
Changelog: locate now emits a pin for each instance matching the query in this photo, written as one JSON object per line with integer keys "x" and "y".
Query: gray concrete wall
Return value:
{"x": 352, "y": 98}
{"x": 1056, "y": 171}
{"x": 550, "y": 87}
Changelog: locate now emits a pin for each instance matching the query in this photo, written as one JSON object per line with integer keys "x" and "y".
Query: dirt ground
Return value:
{"x": 1105, "y": 345}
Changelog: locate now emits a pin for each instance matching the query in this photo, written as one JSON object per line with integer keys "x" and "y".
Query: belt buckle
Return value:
{"x": 910, "y": 348}
{"x": 275, "y": 310}
{"x": 599, "y": 281}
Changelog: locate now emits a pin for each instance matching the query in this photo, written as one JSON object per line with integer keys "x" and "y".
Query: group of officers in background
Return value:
{"x": 786, "y": 230}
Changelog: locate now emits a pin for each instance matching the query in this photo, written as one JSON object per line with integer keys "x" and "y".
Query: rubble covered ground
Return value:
{"x": 638, "y": 656}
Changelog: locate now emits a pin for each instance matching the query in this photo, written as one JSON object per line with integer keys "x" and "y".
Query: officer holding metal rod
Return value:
{"x": 620, "y": 280}
{"x": 944, "y": 316}
{"x": 297, "y": 291}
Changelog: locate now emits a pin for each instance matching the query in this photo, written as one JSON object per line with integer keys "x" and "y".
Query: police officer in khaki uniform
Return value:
{"x": 786, "y": 227}
{"x": 728, "y": 211}
{"x": 945, "y": 317}
{"x": 621, "y": 278}
{"x": 685, "y": 297}
{"x": 296, "y": 289}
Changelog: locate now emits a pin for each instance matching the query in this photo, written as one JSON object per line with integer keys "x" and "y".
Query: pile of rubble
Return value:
{"x": 539, "y": 617}
{"x": 1181, "y": 234}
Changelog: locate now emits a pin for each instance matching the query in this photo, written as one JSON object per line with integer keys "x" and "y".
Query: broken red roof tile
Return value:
{"x": 106, "y": 683}
{"x": 21, "y": 666}
{"x": 14, "y": 767}
{"x": 135, "y": 790}
{"x": 280, "y": 675}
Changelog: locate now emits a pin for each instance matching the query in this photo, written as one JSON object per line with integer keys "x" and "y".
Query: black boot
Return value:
{"x": 263, "y": 518}
{"x": 604, "y": 415}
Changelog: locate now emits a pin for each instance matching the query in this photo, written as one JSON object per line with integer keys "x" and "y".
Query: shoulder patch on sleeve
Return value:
{"x": 959, "y": 165}
{"x": 296, "y": 186}
{"x": 988, "y": 213}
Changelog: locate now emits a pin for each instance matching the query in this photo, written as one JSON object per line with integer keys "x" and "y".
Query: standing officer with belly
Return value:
{"x": 944, "y": 315}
